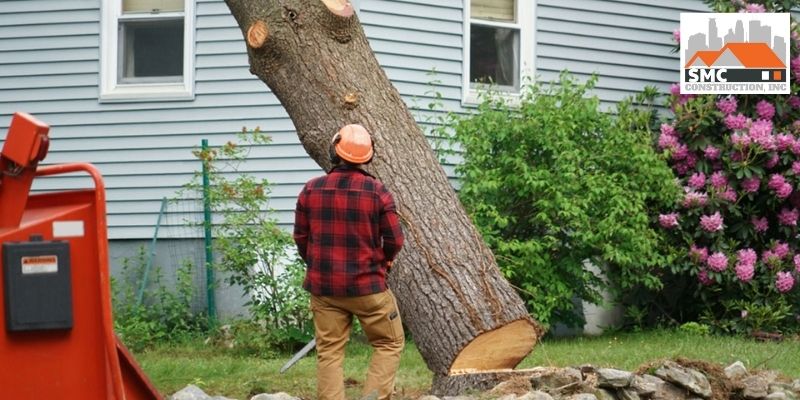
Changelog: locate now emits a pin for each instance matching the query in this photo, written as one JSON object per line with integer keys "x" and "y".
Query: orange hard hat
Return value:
{"x": 353, "y": 144}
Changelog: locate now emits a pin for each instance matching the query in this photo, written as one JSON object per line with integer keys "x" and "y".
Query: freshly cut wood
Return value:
{"x": 257, "y": 34}
{"x": 342, "y": 8}
{"x": 459, "y": 308}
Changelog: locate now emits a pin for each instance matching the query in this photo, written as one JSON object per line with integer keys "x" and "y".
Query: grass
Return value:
{"x": 219, "y": 372}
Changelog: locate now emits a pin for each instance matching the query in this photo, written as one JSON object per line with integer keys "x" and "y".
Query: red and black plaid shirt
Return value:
{"x": 346, "y": 228}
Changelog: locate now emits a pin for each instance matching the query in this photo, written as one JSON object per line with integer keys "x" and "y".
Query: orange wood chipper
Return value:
{"x": 57, "y": 338}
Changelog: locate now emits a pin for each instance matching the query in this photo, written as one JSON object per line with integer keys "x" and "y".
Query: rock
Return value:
{"x": 613, "y": 378}
{"x": 668, "y": 391}
{"x": 513, "y": 386}
{"x": 736, "y": 371}
{"x": 429, "y": 397}
{"x": 688, "y": 378}
{"x": 796, "y": 385}
{"x": 510, "y": 397}
{"x": 190, "y": 392}
{"x": 604, "y": 394}
{"x": 536, "y": 395}
{"x": 646, "y": 385}
{"x": 581, "y": 396}
{"x": 221, "y": 398}
{"x": 777, "y": 396}
{"x": 628, "y": 394}
{"x": 755, "y": 387}
{"x": 458, "y": 398}
{"x": 559, "y": 379}
{"x": 276, "y": 396}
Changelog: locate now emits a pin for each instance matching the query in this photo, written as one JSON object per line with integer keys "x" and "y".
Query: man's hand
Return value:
{"x": 388, "y": 265}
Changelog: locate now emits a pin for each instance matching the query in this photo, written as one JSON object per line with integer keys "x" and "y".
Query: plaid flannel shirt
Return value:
{"x": 346, "y": 229}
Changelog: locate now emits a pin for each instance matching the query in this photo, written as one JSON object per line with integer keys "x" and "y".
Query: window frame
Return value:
{"x": 111, "y": 87}
{"x": 526, "y": 18}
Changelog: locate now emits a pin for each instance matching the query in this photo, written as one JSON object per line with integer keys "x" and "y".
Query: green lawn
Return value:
{"x": 216, "y": 371}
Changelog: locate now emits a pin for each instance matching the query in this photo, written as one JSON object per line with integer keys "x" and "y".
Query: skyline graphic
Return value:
{"x": 754, "y": 33}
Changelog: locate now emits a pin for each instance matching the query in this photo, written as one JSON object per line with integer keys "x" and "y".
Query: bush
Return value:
{"x": 251, "y": 248}
{"x": 162, "y": 315}
{"x": 738, "y": 159}
{"x": 555, "y": 182}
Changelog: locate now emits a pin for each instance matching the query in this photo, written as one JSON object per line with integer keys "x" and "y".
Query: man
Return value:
{"x": 347, "y": 231}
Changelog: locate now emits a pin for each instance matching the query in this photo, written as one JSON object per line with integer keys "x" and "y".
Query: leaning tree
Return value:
{"x": 466, "y": 319}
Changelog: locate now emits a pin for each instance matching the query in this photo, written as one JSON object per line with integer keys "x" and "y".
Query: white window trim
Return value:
{"x": 526, "y": 18}
{"x": 113, "y": 91}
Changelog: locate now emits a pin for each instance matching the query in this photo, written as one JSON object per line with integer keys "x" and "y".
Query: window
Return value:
{"x": 499, "y": 41}
{"x": 147, "y": 50}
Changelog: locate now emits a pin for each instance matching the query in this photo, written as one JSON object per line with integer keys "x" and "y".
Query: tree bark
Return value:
{"x": 464, "y": 316}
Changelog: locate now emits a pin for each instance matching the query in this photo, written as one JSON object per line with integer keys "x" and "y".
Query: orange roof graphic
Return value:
{"x": 751, "y": 55}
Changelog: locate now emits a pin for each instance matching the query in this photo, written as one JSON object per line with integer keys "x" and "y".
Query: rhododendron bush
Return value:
{"x": 738, "y": 161}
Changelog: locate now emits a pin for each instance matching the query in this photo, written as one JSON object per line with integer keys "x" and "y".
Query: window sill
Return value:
{"x": 473, "y": 98}
{"x": 147, "y": 92}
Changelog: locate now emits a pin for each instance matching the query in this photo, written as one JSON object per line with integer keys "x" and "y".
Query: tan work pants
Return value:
{"x": 333, "y": 317}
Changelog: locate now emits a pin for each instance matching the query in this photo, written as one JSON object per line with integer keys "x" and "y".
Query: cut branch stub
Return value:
{"x": 257, "y": 34}
{"x": 342, "y": 8}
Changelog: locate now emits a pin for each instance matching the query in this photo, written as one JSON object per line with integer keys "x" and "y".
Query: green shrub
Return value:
{"x": 164, "y": 314}
{"x": 554, "y": 182}
{"x": 251, "y": 248}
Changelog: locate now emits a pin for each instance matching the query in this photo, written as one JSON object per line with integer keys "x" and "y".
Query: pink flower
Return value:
{"x": 711, "y": 223}
{"x": 765, "y": 109}
{"x": 698, "y": 254}
{"x": 796, "y": 147}
{"x": 781, "y": 249}
{"x": 797, "y": 263}
{"x": 741, "y": 141}
{"x": 695, "y": 199}
{"x": 667, "y": 142}
{"x": 760, "y": 224}
{"x": 776, "y": 181}
{"x": 770, "y": 258}
{"x": 712, "y": 153}
{"x": 784, "y": 281}
{"x": 668, "y": 221}
{"x": 728, "y": 195}
{"x": 697, "y": 180}
{"x": 691, "y": 160}
{"x": 751, "y": 185}
{"x": 718, "y": 180}
{"x": 795, "y": 64}
{"x": 794, "y": 101}
{"x": 682, "y": 168}
{"x": 727, "y": 105}
{"x": 773, "y": 161}
{"x": 784, "y": 191}
{"x": 717, "y": 262}
{"x": 745, "y": 272}
{"x": 736, "y": 122}
{"x": 784, "y": 141}
{"x": 704, "y": 279}
{"x": 746, "y": 257}
{"x": 796, "y": 167}
{"x": 676, "y": 35}
{"x": 667, "y": 129}
{"x": 675, "y": 89}
{"x": 680, "y": 153}
{"x": 755, "y": 8}
{"x": 788, "y": 217}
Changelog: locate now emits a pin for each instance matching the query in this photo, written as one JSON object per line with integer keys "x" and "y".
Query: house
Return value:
{"x": 134, "y": 85}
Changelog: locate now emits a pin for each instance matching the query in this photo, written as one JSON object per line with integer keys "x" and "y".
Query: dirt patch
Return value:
{"x": 518, "y": 385}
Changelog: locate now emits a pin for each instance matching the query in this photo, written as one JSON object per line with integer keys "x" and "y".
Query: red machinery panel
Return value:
{"x": 84, "y": 360}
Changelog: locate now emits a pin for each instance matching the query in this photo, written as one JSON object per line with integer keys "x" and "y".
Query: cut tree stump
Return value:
{"x": 463, "y": 314}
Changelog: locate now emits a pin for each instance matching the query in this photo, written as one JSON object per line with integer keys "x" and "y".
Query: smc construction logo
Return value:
{"x": 734, "y": 53}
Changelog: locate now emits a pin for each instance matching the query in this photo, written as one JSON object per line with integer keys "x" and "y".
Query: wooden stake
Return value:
{"x": 257, "y": 34}
{"x": 342, "y": 8}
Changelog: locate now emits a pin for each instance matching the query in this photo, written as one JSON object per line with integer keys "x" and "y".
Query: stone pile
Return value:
{"x": 667, "y": 380}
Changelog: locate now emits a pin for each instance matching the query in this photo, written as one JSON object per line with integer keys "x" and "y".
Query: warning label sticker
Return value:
{"x": 39, "y": 265}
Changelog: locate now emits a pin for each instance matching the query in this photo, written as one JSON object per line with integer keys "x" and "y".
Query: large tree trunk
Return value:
{"x": 313, "y": 54}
